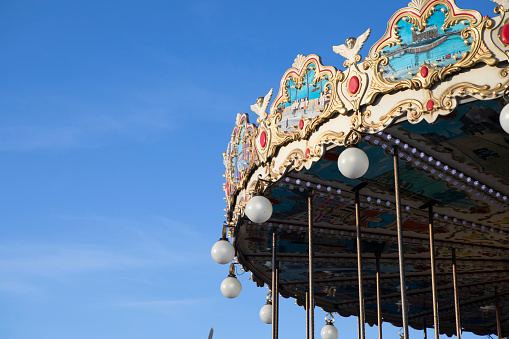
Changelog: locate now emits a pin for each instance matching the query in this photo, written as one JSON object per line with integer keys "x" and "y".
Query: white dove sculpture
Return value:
{"x": 261, "y": 104}
{"x": 352, "y": 46}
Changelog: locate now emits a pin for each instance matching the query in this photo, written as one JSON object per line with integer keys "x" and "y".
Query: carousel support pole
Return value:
{"x": 497, "y": 309}
{"x": 358, "y": 327}
{"x": 362, "y": 327}
{"x": 404, "y": 309}
{"x": 429, "y": 206}
{"x": 275, "y": 292}
{"x": 456, "y": 297}
{"x": 277, "y": 299}
{"x": 310, "y": 270}
{"x": 378, "y": 295}
{"x": 307, "y": 315}
{"x": 425, "y": 330}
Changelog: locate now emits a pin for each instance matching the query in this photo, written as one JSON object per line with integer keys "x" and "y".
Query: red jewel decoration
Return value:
{"x": 353, "y": 84}
{"x": 504, "y": 34}
{"x": 430, "y": 105}
{"x": 301, "y": 124}
{"x": 263, "y": 139}
{"x": 227, "y": 188}
{"x": 307, "y": 153}
{"x": 424, "y": 71}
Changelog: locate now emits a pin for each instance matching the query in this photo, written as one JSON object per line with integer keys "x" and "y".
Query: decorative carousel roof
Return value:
{"x": 433, "y": 86}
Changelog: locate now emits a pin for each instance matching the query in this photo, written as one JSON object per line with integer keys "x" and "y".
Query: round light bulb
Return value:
{"x": 353, "y": 162}
{"x": 329, "y": 332}
{"x": 258, "y": 209}
{"x": 504, "y": 118}
{"x": 222, "y": 252}
{"x": 266, "y": 313}
{"x": 231, "y": 287}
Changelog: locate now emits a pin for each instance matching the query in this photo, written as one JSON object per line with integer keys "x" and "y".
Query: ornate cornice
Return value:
{"x": 318, "y": 107}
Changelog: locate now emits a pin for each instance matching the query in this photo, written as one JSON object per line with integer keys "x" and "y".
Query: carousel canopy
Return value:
{"x": 429, "y": 93}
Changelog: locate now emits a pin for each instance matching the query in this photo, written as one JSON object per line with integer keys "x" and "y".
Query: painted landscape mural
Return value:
{"x": 308, "y": 101}
{"x": 436, "y": 45}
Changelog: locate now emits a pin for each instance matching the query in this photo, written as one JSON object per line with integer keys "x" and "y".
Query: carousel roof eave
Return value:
{"x": 441, "y": 118}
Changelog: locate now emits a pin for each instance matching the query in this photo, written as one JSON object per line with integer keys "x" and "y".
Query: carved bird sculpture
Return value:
{"x": 261, "y": 104}
{"x": 352, "y": 46}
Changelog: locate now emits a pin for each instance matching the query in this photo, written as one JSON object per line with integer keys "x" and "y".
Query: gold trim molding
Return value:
{"x": 371, "y": 102}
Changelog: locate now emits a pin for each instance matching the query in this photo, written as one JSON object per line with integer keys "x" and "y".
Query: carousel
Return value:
{"x": 381, "y": 191}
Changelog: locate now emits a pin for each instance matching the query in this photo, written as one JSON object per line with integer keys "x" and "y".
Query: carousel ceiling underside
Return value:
{"x": 431, "y": 89}
{"x": 459, "y": 161}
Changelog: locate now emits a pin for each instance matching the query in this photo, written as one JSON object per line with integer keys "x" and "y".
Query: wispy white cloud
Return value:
{"x": 16, "y": 287}
{"x": 90, "y": 131}
{"x": 34, "y": 268}
{"x": 161, "y": 303}
{"x": 175, "y": 307}
{"x": 149, "y": 230}
{"x": 142, "y": 111}
{"x": 53, "y": 260}
{"x": 126, "y": 246}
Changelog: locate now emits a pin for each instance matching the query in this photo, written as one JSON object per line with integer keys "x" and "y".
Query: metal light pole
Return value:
{"x": 456, "y": 297}
{"x": 404, "y": 310}
{"x": 362, "y": 327}
{"x": 311, "y": 322}
{"x": 275, "y": 292}
{"x": 378, "y": 295}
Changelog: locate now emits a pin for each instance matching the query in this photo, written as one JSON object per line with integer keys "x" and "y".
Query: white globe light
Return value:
{"x": 231, "y": 287}
{"x": 222, "y": 252}
{"x": 329, "y": 332}
{"x": 353, "y": 162}
{"x": 504, "y": 118}
{"x": 266, "y": 313}
{"x": 258, "y": 209}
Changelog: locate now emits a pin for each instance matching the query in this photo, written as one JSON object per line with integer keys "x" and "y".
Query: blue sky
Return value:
{"x": 113, "y": 119}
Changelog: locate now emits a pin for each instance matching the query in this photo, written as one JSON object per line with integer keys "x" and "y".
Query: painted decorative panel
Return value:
{"x": 437, "y": 45}
{"x": 307, "y": 99}
{"x": 239, "y": 157}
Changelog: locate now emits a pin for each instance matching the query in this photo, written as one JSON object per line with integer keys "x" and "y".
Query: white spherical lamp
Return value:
{"x": 258, "y": 209}
{"x": 266, "y": 313}
{"x": 504, "y": 118}
{"x": 222, "y": 252}
{"x": 231, "y": 287}
{"x": 353, "y": 162}
{"x": 329, "y": 331}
